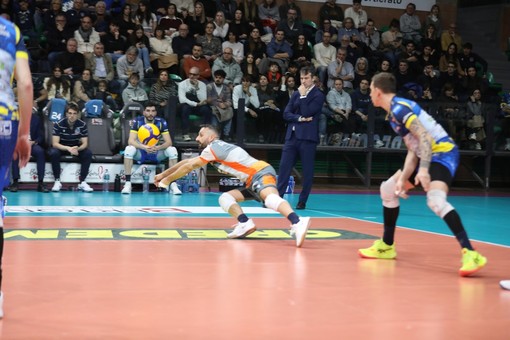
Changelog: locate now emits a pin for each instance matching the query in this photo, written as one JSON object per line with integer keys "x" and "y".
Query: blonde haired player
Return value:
{"x": 260, "y": 178}
{"x": 14, "y": 118}
{"x": 432, "y": 158}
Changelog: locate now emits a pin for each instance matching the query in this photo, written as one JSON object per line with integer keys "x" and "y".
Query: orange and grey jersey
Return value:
{"x": 11, "y": 47}
{"x": 233, "y": 160}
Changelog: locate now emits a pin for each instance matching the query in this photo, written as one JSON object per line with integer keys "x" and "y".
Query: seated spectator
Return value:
{"x": 57, "y": 37}
{"x": 274, "y": 76}
{"x": 125, "y": 20}
{"x": 197, "y": 20}
{"x": 404, "y": 77}
{"x": 237, "y": 47}
{"x": 162, "y": 51}
{"x": 357, "y": 14}
{"x": 140, "y": 40}
{"x": 219, "y": 97}
{"x": 183, "y": 43}
{"x": 55, "y": 86}
{"x": 115, "y": 44}
{"x": 231, "y": 68}
{"x": 429, "y": 79}
{"x": 324, "y": 27}
{"x": 330, "y": 10}
{"x": 103, "y": 94}
{"x": 434, "y": 19}
{"x": 129, "y": 64}
{"x": 505, "y": 120}
{"x": 161, "y": 91}
{"x": 84, "y": 89}
{"x": 289, "y": 86}
{"x": 239, "y": 26}
{"x": 227, "y": 7}
{"x": 269, "y": 15}
{"x": 141, "y": 153}
{"x": 325, "y": 53}
{"x": 410, "y": 24}
{"x": 411, "y": 55}
{"x": 220, "y": 26}
{"x": 197, "y": 60}
{"x": 145, "y": 18}
{"x": 301, "y": 52}
{"x": 100, "y": 64}
{"x": 451, "y": 113}
{"x": 451, "y": 36}
{"x": 255, "y": 46}
{"x": 347, "y": 29}
{"x": 269, "y": 121}
{"x": 372, "y": 40}
{"x": 134, "y": 92}
{"x": 193, "y": 100}
{"x": 211, "y": 45}
{"x": 247, "y": 92}
{"x": 430, "y": 38}
{"x": 470, "y": 59}
{"x": 451, "y": 76}
{"x": 475, "y": 120}
{"x": 170, "y": 22}
{"x": 49, "y": 15}
{"x": 86, "y": 36}
{"x": 361, "y": 104}
{"x": 185, "y": 8}
{"x": 38, "y": 152}
{"x": 70, "y": 136}
{"x": 428, "y": 56}
{"x": 339, "y": 107}
{"x": 24, "y": 19}
{"x": 71, "y": 61}
{"x": 75, "y": 14}
{"x": 392, "y": 42}
{"x": 472, "y": 82}
{"x": 291, "y": 26}
{"x": 361, "y": 72}
{"x": 249, "y": 68}
{"x": 341, "y": 69}
{"x": 101, "y": 19}
{"x": 451, "y": 56}
{"x": 278, "y": 50}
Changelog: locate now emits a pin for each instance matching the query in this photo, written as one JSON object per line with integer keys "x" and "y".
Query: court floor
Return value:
{"x": 156, "y": 266}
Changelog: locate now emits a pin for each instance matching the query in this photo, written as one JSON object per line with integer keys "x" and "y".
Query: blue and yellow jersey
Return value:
{"x": 161, "y": 123}
{"x": 403, "y": 112}
{"x": 11, "y": 47}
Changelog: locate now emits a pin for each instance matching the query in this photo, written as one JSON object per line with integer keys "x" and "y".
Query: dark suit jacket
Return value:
{"x": 309, "y": 106}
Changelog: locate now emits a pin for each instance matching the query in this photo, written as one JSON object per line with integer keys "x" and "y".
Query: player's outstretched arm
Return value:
{"x": 178, "y": 170}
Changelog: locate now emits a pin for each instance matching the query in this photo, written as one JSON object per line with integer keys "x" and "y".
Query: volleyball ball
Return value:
{"x": 148, "y": 134}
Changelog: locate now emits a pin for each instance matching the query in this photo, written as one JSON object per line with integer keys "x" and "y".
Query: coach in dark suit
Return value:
{"x": 302, "y": 116}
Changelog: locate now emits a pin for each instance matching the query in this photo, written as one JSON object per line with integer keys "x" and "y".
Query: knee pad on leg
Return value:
{"x": 171, "y": 152}
{"x": 436, "y": 200}
{"x": 129, "y": 152}
{"x": 387, "y": 189}
{"x": 273, "y": 201}
{"x": 226, "y": 200}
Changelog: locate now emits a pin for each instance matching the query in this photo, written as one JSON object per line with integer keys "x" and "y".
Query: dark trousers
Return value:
{"x": 187, "y": 110}
{"x": 293, "y": 148}
{"x": 38, "y": 154}
{"x": 85, "y": 157}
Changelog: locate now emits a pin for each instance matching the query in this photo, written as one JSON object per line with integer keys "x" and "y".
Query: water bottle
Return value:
{"x": 106, "y": 180}
{"x": 145, "y": 176}
{"x": 194, "y": 177}
{"x": 116, "y": 183}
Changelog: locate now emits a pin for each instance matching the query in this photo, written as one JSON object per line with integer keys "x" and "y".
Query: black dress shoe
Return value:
{"x": 42, "y": 188}
{"x": 13, "y": 187}
{"x": 301, "y": 206}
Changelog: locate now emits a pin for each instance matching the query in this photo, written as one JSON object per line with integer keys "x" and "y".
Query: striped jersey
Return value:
{"x": 11, "y": 47}
{"x": 70, "y": 136}
{"x": 403, "y": 112}
{"x": 233, "y": 160}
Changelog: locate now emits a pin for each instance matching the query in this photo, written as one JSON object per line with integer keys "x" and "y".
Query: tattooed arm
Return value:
{"x": 425, "y": 147}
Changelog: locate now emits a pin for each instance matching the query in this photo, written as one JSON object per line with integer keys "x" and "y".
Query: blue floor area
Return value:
{"x": 485, "y": 218}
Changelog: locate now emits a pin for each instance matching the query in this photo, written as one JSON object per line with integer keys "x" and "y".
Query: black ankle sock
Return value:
{"x": 390, "y": 216}
{"x": 242, "y": 218}
{"x": 453, "y": 221}
{"x": 293, "y": 218}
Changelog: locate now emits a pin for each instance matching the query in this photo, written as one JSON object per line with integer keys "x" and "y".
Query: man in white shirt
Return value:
{"x": 324, "y": 54}
{"x": 357, "y": 14}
